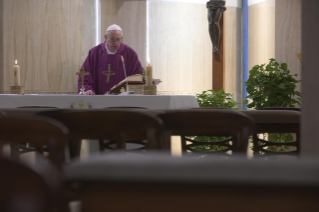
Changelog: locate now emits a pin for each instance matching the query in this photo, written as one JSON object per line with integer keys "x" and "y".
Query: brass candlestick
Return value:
{"x": 17, "y": 89}
{"x": 150, "y": 90}
{"x": 82, "y": 74}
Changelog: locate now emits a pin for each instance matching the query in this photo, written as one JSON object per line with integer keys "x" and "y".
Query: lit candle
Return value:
{"x": 149, "y": 75}
{"x": 16, "y": 72}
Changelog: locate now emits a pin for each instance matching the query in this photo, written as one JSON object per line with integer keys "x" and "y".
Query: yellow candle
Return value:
{"x": 149, "y": 75}
{"x": 16, "y": 76}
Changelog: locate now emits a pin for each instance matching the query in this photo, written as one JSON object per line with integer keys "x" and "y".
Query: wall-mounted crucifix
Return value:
{"x": 216, "y": 19}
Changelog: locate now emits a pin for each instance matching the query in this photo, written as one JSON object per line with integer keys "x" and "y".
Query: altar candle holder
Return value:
{"x": 17, "y": 89}
{"x": 82, "y": 91}
{"x": 82, "y": 73}
{"x": 150, "y": 90}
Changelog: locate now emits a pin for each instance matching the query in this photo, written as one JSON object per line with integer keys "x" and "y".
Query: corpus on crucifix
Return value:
{"x": 216, "y": 19}
{"x": 108, "y": 73}
{"x": 215, "y": 12}
{"x": 105, "y": 56}
{"x": 82, "y": 74}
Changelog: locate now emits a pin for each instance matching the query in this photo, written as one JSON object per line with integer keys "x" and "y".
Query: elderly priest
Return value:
{"x": 104, "y": 63}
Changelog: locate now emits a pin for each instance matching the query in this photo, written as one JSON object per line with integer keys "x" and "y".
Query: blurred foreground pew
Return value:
{"x": 157, "y": 182}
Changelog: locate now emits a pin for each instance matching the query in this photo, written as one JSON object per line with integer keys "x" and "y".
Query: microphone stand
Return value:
{"x": 127, "y": 92}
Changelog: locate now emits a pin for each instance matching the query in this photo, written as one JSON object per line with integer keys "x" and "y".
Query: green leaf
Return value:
{"x": 288, "y": 138}
{"x": 251, "y": 105}
{"x": 281, "y": 85}
{"x": 284, "y": 66}
{"x": 287, "y": 147}
{"x": 271, "y": 148}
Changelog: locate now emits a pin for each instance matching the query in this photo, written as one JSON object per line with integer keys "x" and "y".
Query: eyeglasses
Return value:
{"x": 115, "y": 40}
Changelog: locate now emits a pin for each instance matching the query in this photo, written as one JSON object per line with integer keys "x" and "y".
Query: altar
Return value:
{"x": 155, "y": 102}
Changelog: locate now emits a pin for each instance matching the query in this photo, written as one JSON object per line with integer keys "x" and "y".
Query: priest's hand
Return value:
{"x": 89, "y": 92}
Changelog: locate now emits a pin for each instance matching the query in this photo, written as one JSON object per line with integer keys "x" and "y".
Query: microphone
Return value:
{"x": 122, "y": 58}
{"x": 127, "y": 88}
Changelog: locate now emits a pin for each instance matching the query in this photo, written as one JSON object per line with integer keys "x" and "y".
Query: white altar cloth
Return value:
{"x": 157, "y": 102}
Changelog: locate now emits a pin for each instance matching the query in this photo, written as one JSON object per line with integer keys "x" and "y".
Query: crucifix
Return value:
{"x": 108, "y": 73}
{"x": 82, "y": 74}
{"x": 216, "y": 19}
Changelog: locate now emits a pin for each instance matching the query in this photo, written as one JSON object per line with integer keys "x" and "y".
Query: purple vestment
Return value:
{"x": 97, "y": 65}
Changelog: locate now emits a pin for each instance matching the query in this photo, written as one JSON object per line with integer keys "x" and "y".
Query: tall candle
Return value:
{"x": 16, "y": 76}
{"x": 149, "y": 75}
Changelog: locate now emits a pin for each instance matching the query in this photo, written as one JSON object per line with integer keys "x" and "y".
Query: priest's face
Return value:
{"x": 114, "y": 39}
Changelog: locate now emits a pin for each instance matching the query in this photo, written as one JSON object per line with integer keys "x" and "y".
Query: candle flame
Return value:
{"x": 16, "y": 62}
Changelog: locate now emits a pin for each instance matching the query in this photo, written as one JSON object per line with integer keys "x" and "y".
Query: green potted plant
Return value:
{"x": 272, "y": 85}
{"x": 217, "y": 99}
{"x": 220, "y": 99}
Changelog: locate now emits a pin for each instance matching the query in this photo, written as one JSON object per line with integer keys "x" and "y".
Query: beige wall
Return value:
{"x": 233, "y": 52}
{"x": 180, "y": 47}
{"x": 50, "y": 40}
{"x": 131, "y": 16}
{"x": 288, "y": 34}
{"x": 1, "y": 46}
{"x": 261, "y": 33}
{"x": 275, "y": 32}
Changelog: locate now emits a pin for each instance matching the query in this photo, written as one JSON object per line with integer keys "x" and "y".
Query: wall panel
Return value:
{"x": 180, "y": 47}
{"x": 50, "y": 39}
{"x": 288, "y": 34}
{"x": 131, "y": 16}
{"x": 1, "y": 46}
{"x": 233, "y": 52}
{"x": 261, "y": 33}
{"x": 108, "y": 15}
{"x": 46, "y": 46}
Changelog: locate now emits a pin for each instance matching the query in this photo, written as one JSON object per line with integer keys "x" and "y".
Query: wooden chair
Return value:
{"x": 2, "y": 114}
{"x": 122, "y": 107}
{"x": 43, "y": 133}
{"x": 110, "y": 144}
{"x": 26, "y": 148}
{"x": 275, "y": 121}
{"x": 233, "y": 125}
{"x": 24, "y": 188}
{"x": 73, "y": 145}
{"x": 38, "y": 106}
{"x": 281, "y": 108}
{"x": 115, "y": 125}
{"x": 160, "y": 183}
{"x": 211, "y": 108}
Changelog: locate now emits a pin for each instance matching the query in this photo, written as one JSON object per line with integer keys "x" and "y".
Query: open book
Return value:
{"x": 136, "y": 79}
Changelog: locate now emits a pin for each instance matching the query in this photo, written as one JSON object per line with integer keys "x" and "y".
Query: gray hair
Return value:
{"x": 107, "y": 32}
